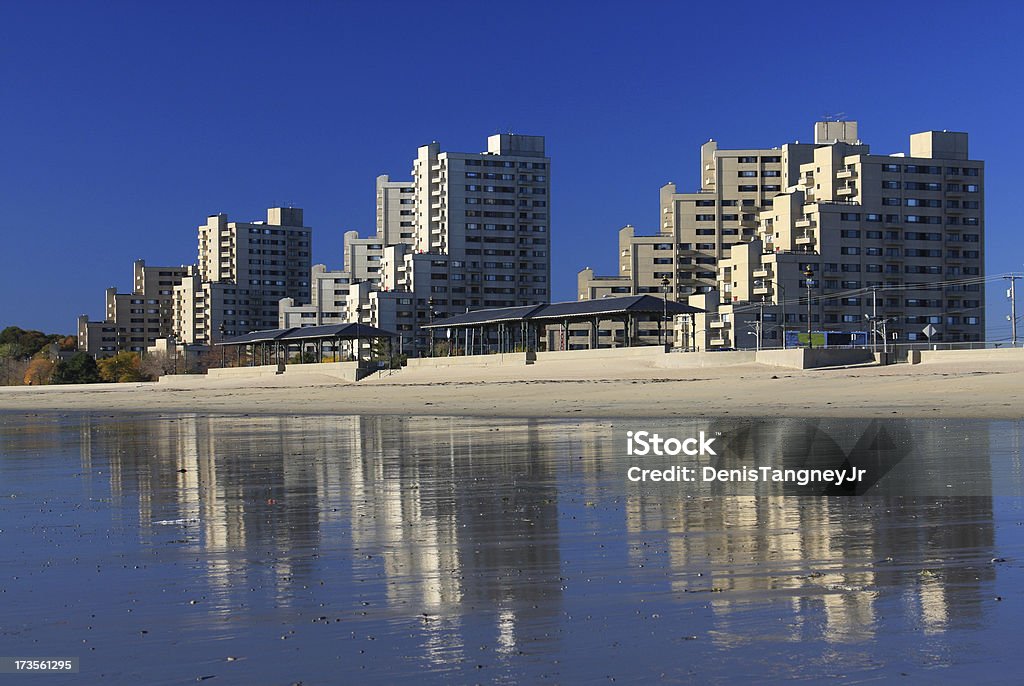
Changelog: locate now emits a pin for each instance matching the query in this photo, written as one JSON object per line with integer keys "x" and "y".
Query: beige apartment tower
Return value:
{"x": 889, "y": 241}
{"x": 469, "y": 231}
{"x": 133, "y": 321}
{"x": 244, "y": 270}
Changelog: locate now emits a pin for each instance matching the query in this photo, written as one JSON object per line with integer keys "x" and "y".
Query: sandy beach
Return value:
{"x": 983, "y": 389}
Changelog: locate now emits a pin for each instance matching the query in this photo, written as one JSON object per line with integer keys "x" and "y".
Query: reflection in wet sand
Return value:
{"x": 443, "y": 545}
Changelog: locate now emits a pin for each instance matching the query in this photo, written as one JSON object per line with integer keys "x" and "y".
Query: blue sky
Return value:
{"x": 126, "y": 124}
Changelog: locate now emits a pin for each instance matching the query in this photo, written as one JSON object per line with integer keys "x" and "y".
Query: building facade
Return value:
{"x": 244, "y": 270}
{"x": 469, "y": 231}
{"x": 133, "y": 321}
{"x": 893, "y": 242}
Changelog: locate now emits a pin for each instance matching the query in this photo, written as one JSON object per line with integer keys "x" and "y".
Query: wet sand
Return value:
{"x": 279, "y": 550}
{"x": 986, "y": 389}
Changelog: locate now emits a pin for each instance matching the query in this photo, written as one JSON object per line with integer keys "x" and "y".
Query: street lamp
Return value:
{"x": 809, "y": 275}
{"x": 223, "y": 349}
{"x": 430, "y": 319}
{"x": 173, "y": 341}
{"x": 664, "y": 311}
{"x": 782, "y": 306}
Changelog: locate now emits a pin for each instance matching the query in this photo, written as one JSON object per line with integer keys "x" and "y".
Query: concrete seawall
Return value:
{"x": 345, "y": 371}
{"x": 968, "y": 356}
{"x": 655, "y": 356}
{"x": 648, "y": 356}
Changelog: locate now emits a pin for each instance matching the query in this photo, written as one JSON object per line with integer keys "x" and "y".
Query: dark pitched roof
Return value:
{"x": 627, "y": 304}
{"x": 264, "y": 336}
{"x": 498, "y": 314}
{"x": 308, "y": 333}
{"x": 350, "y": 330}
{"x": 576, "y": 309}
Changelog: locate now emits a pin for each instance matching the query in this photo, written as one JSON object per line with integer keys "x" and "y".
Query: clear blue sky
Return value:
{"x": 126, "y": 124}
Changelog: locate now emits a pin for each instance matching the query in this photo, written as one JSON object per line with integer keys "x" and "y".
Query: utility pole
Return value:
{"x": 430, "y": 317}
{"x": 874, "y": 318}
{"x": 760, "y": 324}
{"x": 663, "y": 326}
{"x": 1012, "y": 295}
{"x": 809, "y": 274}
{"x": 782, "y": 303}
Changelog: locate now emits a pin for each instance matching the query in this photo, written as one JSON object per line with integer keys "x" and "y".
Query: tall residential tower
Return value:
{"x": 897, "y": 239}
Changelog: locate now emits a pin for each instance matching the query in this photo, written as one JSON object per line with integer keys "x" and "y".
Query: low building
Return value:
{"x": 136, "y": 320}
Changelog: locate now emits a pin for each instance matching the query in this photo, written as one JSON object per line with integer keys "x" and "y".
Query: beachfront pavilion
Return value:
{"x": 273, "y": 346}
{"x": 519, "y": 328}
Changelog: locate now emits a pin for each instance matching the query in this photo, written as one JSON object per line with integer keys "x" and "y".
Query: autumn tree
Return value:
{"x": 24, "y": 343}
{"x": 122, "y": 367}
{"x": 39, "y": 371}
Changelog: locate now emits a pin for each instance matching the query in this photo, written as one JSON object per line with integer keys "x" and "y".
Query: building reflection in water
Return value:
{"x": 267, "y": 501}
{"x": 457, "y": 522}
{"x": 834, "y": 556}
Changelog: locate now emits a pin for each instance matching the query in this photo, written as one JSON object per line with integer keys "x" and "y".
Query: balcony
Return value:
{"x": 718, "y": 324}
{"x": 762, "y": 273}
{"x": 804, "y": 223}
{"x": 846, "y": 174}
{"x": 846, "y": 190}
{"x": 762, "y": 290}
{"x": 717, "y": 341}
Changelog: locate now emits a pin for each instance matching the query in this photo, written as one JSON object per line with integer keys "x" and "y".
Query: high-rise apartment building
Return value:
{"x": 362, "y": 260}
{"x": 328, "y": 300}
{"x": 244, "y": 270}
{"x": 396, "y": 214}
{"x": 133, "y": 321}
{"x": 470, "y": 230}
{"x": 481, "y": 234}
{"x": 898, "y": 238}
